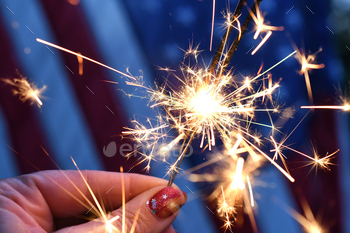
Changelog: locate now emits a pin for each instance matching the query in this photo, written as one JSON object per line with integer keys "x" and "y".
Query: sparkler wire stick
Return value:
{"x": 238, "y": 39}
{"x": 180, "y": 159}
{"x": 224, "y": 38}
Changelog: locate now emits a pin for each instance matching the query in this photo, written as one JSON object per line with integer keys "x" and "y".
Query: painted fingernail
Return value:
{"x": 165, "y": 202}
{"x": 185, "y": 195}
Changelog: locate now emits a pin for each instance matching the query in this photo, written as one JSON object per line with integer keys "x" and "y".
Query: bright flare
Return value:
{"x": 205, "y": 104}
{"x": 238, "y": 180}
{"x": 24, "y": 90}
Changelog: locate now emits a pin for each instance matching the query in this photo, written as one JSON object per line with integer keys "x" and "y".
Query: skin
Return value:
{"x": 48, "y": 202}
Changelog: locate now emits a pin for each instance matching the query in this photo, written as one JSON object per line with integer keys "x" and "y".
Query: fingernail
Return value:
{"x": 184, "y": 195}
{"x": 165, "y": 202}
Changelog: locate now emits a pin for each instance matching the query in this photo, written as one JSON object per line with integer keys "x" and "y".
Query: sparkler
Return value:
{"x": 24, "y": 90}
{"x": 212, "y": 103}
{"x": 200, "y": 108}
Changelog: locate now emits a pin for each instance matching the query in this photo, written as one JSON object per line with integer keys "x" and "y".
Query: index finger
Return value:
{"x": 64, "y": 190}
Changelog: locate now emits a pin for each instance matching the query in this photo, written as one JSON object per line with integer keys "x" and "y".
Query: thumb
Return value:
{"x": 152, "y": 211}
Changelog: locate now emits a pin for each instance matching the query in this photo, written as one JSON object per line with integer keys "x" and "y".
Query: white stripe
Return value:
{"x": 120, "y": 49}
{"x": 61, "y": 114}
{"x": 8, "y": 165}
{"x": 272, "y": 218}
{"x": 117, "y": 43}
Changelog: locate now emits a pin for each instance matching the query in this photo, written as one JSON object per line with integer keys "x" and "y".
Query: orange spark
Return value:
{"x": 306, "y": 65}
{"x": 84, "y": 57}
{"x": 259, "y": 21}
{"x": 345, "y": 107}
{"x": 80, "y": 60}
{"x": 212, "y": 27}
{"x": 262, "y": 42}
{"x": 24, "y": 90}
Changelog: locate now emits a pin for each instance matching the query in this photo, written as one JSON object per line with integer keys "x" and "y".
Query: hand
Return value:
{"x": 47, "y": 201}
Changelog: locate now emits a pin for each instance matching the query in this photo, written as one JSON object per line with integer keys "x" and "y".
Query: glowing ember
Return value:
{"x": 24, "y": 90}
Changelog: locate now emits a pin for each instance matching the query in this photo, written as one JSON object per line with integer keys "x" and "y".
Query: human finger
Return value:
{"x": 67, "y": 193}
{"x": 152, "y": 211}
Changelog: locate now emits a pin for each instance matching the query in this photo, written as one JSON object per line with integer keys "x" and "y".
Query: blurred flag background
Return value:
{"x": 82, "y": 115}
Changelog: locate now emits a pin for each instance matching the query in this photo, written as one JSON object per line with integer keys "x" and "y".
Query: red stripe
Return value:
{"x": 320, "y": 188}
{"x": 25, "y": 130}
{"x": 71, "y": 32}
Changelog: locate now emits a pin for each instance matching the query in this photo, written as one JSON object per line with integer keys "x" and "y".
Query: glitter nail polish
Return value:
{"x": 165, "y": 202}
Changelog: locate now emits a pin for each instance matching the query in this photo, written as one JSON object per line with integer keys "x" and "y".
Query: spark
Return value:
{"x": 262, "y": 42}
{"x": 345, "y": 107}
{"x": 307, "y": 63}
{"x": 250, "y": 192}
{"x": 100, "y": 212}
{"x": 260, "y": 26}
{"x": 24, "y": 90}
{"x": 152, "y": 139}
{"x": 286, "y": 174}
{"x": 309, "y": 222}
{"x": 315, "y": 161}
{"x": 80, "y": 61}
{"x": 167, "y": 69}
{"x": 192, "y": 51}
{"x": 212, "y": 26}
{"x": 237, "y": 180}
{"x": 84, "y": 57}
{"x": 226, "y": 209}
{"x": 107, "y": 222}
{"x": 323, "y": 162}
